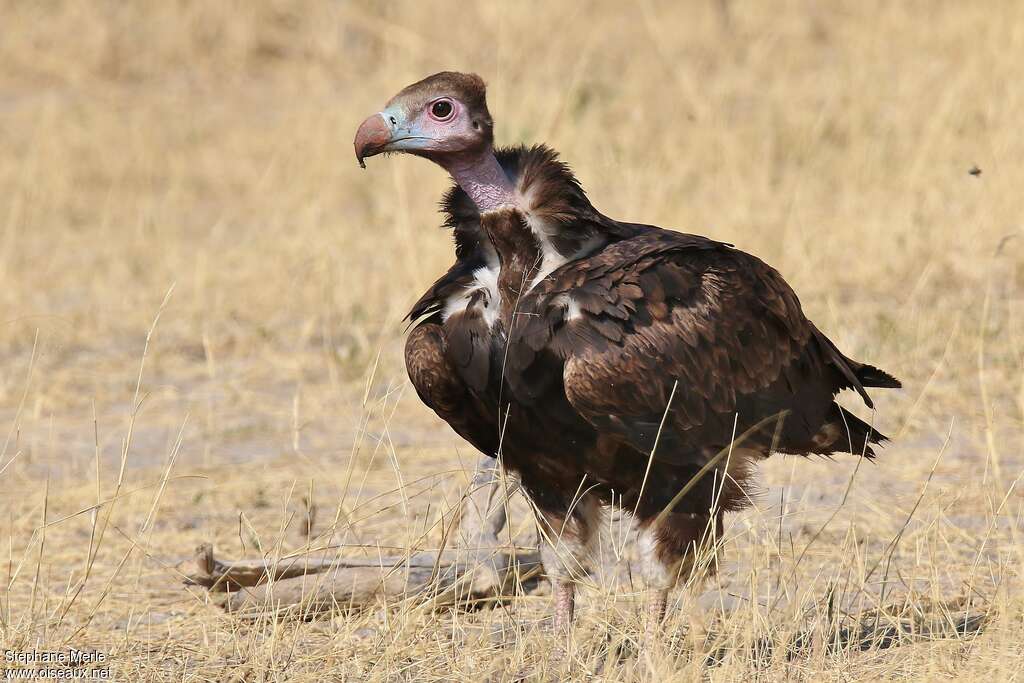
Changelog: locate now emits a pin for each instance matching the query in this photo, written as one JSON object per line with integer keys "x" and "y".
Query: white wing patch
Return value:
{"x": 551, "y": 258}
{"x": 485, "y": 280}
{"x": 571, "y": 306}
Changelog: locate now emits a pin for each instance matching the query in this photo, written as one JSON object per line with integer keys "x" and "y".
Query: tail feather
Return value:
{"x": 870, "y": 376}
{"x": 844, "y": 432}
{"x": 857, "y": 375}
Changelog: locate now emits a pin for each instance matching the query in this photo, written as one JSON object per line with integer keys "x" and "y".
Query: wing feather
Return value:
{"x": 664, "y": 309}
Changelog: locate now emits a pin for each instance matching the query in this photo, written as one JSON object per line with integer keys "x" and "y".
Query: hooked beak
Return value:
{"x": 373, "y": 136}
{"x": 386, "y": 131}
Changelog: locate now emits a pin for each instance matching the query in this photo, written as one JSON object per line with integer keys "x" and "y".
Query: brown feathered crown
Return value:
{"x": 469, "y": 89}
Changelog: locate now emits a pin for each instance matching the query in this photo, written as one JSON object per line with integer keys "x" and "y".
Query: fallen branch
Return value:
{"x": 477, "y": 567}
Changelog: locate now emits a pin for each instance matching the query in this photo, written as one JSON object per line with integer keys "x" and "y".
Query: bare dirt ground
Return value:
{"x": 202, "y": 301}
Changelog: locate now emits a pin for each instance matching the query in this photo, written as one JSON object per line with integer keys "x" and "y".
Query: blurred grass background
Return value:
{"x": 205, "y": 147}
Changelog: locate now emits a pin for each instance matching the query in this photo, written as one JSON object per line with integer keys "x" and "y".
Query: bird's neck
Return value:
{"x": 482, "y": 178}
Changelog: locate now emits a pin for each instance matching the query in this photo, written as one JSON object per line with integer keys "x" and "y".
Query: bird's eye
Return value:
{"x": 442, "y": 109}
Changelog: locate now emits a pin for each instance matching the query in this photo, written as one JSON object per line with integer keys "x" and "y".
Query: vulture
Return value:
{"x": 606, "y": 364}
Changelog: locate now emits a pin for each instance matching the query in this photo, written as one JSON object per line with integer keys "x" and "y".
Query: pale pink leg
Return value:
{"x": 565, "y": 602}
{"x": 656, "y": 610}
{"x": 655, "y": 607}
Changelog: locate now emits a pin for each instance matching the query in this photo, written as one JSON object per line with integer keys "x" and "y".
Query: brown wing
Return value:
{"x": 439, "y": 384}
{"x": 665, "y": 310}
{"x": 448, "y": 360}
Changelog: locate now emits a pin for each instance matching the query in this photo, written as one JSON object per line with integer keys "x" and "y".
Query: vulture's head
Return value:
{"x": 442, "y": 117}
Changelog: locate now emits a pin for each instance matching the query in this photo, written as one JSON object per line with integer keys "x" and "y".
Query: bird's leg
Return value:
{"x": 658, "y": 570}
{"x": 671, "y": 551}
{"x": 565, "y": 552}
{"x": 656, "y": 615}
{"x": 565, "y": 604}
{"x": 656, "y": 610}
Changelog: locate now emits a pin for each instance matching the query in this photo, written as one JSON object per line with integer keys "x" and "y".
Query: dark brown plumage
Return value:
{"x": 607, "y": 363}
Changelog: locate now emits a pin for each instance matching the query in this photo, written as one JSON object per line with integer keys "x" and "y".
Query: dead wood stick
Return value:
{"x": 349, "y": 588}
{"x": 221, "y": 574}
{"x": 216, "y": 573}
{"x": 477, "y": 566}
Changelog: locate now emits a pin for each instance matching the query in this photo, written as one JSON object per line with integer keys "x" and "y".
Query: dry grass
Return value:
{"x": 206, "y": 147}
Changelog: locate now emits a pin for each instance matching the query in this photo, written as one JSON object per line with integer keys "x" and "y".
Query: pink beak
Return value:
{"x": 371, "y": 138}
